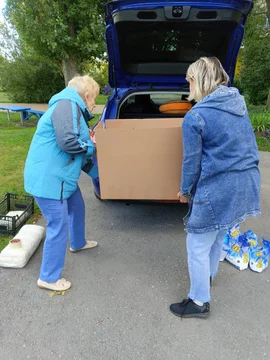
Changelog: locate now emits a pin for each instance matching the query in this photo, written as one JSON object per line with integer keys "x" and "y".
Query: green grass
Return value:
{"x": 101, "y": 99}
{"x": 14, "y": 144}
{"x": 263, "y": 144}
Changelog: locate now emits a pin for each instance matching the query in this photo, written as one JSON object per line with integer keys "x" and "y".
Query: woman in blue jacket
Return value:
{"x": 220, "y": 176}
{"x": 60, "y": 148}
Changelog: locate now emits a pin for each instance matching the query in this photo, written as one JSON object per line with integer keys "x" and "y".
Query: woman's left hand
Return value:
{"x": 182, "y": 198}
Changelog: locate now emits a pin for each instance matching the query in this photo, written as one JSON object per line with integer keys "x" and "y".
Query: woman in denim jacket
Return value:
{"x": 220, "y": 176}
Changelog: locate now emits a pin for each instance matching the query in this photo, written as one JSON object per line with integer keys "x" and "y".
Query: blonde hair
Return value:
{"x": 207, "y": 74}
{"x": 84, "y": 84}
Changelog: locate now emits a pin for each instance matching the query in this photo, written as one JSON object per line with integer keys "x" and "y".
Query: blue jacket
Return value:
{"x": 220, "y": 167}
{"x": 60, "y": 147}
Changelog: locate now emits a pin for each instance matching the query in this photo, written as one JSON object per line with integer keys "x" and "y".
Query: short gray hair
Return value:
{"x": 84, "y": 83}
{"x": 207, "y": 74}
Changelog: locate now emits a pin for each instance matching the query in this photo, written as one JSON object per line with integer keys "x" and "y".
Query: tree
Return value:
{"x": 268, "y": 17}
{"x": 3, "y": 63}
{"x": 30, "y": 79}
{"x": 25, "y": 76}
{"x": 255, "y": 73}
{"x": 68, "y": 32}
{"x": 98, "y": 70}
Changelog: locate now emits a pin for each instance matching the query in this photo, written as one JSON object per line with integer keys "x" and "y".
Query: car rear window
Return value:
{"x": 157, "y": 42}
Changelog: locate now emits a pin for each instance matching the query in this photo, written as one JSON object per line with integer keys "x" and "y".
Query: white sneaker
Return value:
{"x": 89, "y": 245}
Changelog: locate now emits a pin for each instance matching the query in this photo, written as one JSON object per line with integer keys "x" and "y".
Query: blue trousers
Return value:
{"x": 63, "y": 219}
{"x": 204, "y": 252}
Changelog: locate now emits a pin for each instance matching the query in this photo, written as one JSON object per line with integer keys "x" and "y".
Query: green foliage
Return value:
{"x": 30, "y": 80}
{"x": 98, "y": 70}
{"x": 255, "y": 74}
{"x": 263, "y": 144}
{"x": 3, "y": 63}
{"x": 20, "y": 73}
{"x": 260, "y": 120}
{"x": 71, "y": 30}
{"x": 4, "y": 97}
{"x": 238, "y": 84}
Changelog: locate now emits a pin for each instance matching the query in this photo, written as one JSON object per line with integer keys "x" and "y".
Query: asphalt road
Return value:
{"x": 118, "y": 307}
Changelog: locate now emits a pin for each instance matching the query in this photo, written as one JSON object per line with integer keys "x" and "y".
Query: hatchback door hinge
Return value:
{"x": 134, "y": 85}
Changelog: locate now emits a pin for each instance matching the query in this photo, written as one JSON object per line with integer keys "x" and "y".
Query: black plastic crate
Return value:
{"x": 12, "y": 202}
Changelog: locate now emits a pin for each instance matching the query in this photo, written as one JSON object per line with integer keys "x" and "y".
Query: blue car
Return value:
{"x": 151, "y": 43}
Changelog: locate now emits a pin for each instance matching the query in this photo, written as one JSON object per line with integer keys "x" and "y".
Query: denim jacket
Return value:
{"x": 220, "y": 170}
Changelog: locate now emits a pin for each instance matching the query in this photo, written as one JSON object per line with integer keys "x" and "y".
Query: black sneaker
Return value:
{"x": 187, "y": 309}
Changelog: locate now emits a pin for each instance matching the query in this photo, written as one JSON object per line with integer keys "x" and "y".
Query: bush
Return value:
{"x": 98, "y": 70}
{"x": 30, "y": 80}
{"x": 238, "y": 85}
{"x": 260, "y": 120}
{"x": 255, "y": 71}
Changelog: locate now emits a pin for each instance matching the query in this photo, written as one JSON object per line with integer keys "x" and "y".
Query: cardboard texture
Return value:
{"x": 140, "y": 159}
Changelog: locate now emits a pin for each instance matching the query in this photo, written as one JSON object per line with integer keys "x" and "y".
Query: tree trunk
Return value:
{"x": 69, "y": 66}
{"x": 69, "y": 69}
{"x": 268, "y": 15}
{"x": 268, "y": 9}
{"x": 268, "y": 100}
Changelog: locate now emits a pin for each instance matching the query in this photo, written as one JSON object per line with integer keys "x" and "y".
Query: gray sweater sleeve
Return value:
{"x": 66, "y": 123}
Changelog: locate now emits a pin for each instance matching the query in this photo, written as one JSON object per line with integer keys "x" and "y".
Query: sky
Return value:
{"x": 2, "y": 5}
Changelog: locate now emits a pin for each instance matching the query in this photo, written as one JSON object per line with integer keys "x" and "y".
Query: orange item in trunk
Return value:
{"x": 180, "y": 107}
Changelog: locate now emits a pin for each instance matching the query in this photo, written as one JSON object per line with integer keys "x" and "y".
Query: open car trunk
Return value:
{"x": 151, "y": 44}
{"x": 147, "y": 105}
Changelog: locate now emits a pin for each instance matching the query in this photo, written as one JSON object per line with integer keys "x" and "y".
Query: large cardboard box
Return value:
{"x": 140, "y": 159}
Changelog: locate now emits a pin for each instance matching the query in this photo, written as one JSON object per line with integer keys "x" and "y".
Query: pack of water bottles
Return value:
{"x": 243, "y": 250}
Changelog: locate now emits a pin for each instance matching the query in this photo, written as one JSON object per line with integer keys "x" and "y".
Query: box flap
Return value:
{"x": 144, "y": 123}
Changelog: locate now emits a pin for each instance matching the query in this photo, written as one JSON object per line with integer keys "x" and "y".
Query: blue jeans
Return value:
{"x": 204, "y": 252}
{"x": 63, "y": 219}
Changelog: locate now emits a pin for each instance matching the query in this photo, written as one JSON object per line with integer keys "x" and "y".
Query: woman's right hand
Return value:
{"x": 182, "y": 198}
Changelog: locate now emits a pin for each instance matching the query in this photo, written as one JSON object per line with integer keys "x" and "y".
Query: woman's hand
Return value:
{"x": 182, "y": 198}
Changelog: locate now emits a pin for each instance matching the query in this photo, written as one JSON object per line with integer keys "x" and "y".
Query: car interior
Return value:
{"x": 141, "y": 106}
